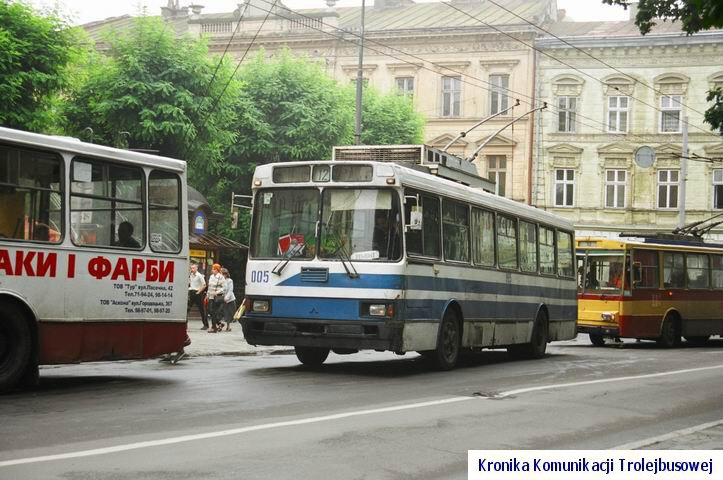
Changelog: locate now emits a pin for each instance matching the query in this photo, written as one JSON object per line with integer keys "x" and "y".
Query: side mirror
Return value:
{"x": 415, "y": 220}
{"x": 637, "y": 272}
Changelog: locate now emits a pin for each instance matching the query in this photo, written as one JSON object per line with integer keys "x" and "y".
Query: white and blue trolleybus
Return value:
{"x": 386, "y": 248}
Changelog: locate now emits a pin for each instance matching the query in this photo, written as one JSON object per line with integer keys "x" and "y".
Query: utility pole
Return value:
{"x": 360, "y": 82}
{"x": 683, "y": 173}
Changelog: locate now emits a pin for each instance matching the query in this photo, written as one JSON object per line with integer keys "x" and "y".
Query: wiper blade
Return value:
{"x": 290, "y": 253}
{"x": 342, "y": 254}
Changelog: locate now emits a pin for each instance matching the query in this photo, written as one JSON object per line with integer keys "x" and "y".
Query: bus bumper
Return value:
{"x": 323, "y": 333}
{"x": 599, "y": 330}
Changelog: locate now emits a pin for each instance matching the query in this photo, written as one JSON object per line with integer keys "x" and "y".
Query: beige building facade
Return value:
{"x": 459, "y": 63}
{"x": 600, "y": 116}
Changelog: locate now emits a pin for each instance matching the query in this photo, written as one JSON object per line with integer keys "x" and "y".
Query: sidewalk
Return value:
{"x": 225, "y": 343}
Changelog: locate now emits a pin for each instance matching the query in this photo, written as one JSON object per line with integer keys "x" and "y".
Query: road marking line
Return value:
{"x": 604, "y": 380}
{"x": 224, "y": 433}
{"x": 668, "y": 436}
{"x": 338, "y": 416}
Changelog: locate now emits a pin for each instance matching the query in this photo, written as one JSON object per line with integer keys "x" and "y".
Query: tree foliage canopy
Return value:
{"x": 153, "y": 91}
{"x": 35, "y": 53}
{"x": 694, "y": 15}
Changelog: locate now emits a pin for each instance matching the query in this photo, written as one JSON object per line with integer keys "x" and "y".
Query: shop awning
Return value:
{"x": 211, "y": 240}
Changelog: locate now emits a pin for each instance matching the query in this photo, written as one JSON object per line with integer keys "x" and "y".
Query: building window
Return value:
{"x": 615, "y": 183}
{"x": 618, "y": 114}
{"x": 497, "y": 171}
{"x": 566, "y": 109}
{"x": 405, "y": 86}
{"x": 564, "y": 187}
{"x": 668, "y": 188}
{"x": 499, "y": 100}
{"x": 451, "y": 96}
{"x": 718, "y": 189}
{"x": 670, "y": 113}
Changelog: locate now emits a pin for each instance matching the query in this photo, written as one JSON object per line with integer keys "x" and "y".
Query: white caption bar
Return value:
{"x": 595, "y": 464}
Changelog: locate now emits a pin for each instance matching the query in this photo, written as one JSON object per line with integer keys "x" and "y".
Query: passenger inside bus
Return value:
{"x": 125, "y": 236}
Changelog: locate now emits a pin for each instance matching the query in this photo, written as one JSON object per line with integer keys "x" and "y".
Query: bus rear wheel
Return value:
{"x": 448, "y": 342}
{"x": 669, "y": 333}
{"x": 697, "y": 340}
{"x": 15, "y": 347}
{"x": 597, "y": 339}
{"x": 311, "y": 356}
{"x": 538, "y": 343}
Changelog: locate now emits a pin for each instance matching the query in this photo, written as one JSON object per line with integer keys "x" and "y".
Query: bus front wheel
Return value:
{"x": 15, "y": 346}
{"x": 597, "y": 339}
{"x": 311, "y": 356}
{"x": 669, "y": 333}
{"x": 448, "y": 342}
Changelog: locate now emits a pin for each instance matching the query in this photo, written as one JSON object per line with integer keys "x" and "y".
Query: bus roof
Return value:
{"x": 646, "y": 243}
{"x": 424, "y": 181}
{"x": 72, "y": 145}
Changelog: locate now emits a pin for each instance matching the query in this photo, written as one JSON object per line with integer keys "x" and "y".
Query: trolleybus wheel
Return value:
{"x": 448, "y": 342}
{"x": 311, "y": 356}
{"x": 597, "y": 339}
{"x": 697, "y": 340}
{"x": 538, "y": 343}
{"x": 15, "y": 346}
{"x": 669, "y": 333}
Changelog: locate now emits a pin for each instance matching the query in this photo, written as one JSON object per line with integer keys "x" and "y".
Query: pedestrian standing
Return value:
{"x": 196, "y": 287}
{"x": 215, "y": 297}
{"x": 229, "y": 299}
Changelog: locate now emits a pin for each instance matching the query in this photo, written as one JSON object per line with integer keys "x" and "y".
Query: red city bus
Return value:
{"x": 93, "y": 254}
{"x": 653, "y": 289}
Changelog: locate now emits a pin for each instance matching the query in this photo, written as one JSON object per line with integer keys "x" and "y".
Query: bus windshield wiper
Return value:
{"x": 342, "y": 254}
{"x": 290, "y": 253}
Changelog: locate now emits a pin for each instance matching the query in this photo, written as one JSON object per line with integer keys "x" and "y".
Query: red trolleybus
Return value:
{"x": 93, "y": 255}
{"x": 651, "y": 289}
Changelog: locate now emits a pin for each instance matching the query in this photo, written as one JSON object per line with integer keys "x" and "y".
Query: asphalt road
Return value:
{"x": 369, "y": 415}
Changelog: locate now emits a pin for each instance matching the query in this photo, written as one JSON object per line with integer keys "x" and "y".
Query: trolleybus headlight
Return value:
{"x": 261, "y": 306}
{"x": 381, "y": 310}
{"x": 378, "y": 310}
{"x": 608, "y": 317}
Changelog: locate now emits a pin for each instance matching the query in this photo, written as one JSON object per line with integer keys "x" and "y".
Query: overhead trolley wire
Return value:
{"x": 603, "y": 62}
{"x": 532, "y": 46}
{"x": 533, "y": 103}
{"x": 230, "y": 79}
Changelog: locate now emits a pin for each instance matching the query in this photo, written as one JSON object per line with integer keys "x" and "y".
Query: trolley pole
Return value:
{"x": 360, "y": 82}
{"x": 683, "y": 173}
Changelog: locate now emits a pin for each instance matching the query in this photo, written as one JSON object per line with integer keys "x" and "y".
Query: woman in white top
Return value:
{"x": 229, "y": 299}
{"x": 215, "y": 297}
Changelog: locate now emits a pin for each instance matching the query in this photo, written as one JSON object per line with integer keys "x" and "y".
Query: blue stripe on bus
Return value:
{"x": 431, "y": 284}
{"x": 411, "y": 310}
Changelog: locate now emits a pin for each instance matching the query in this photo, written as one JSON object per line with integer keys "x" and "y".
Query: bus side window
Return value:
{"x": 507, "y": 242}
{"x": 106, "y": 204}
{"x": 425, "y": 242}
{"x": 645, "y": 269}
{"x": 547, "y": 251}
{"x": 673, "y": 270}
{"x": 483, "y": 237}
{"x": 31, "y": 195}
{"x": 717, "y": 271}
{"x": 565, "y": 267}
{"x": 164, "y": 197}
{"x": 455, "y": 231}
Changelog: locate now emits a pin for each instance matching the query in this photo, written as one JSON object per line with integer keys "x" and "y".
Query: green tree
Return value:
{"x": 152, "y": 90}
{"x": 36, "y": 52}
{"x": 694, "y": 16}
{"x": 389, "y": 119}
